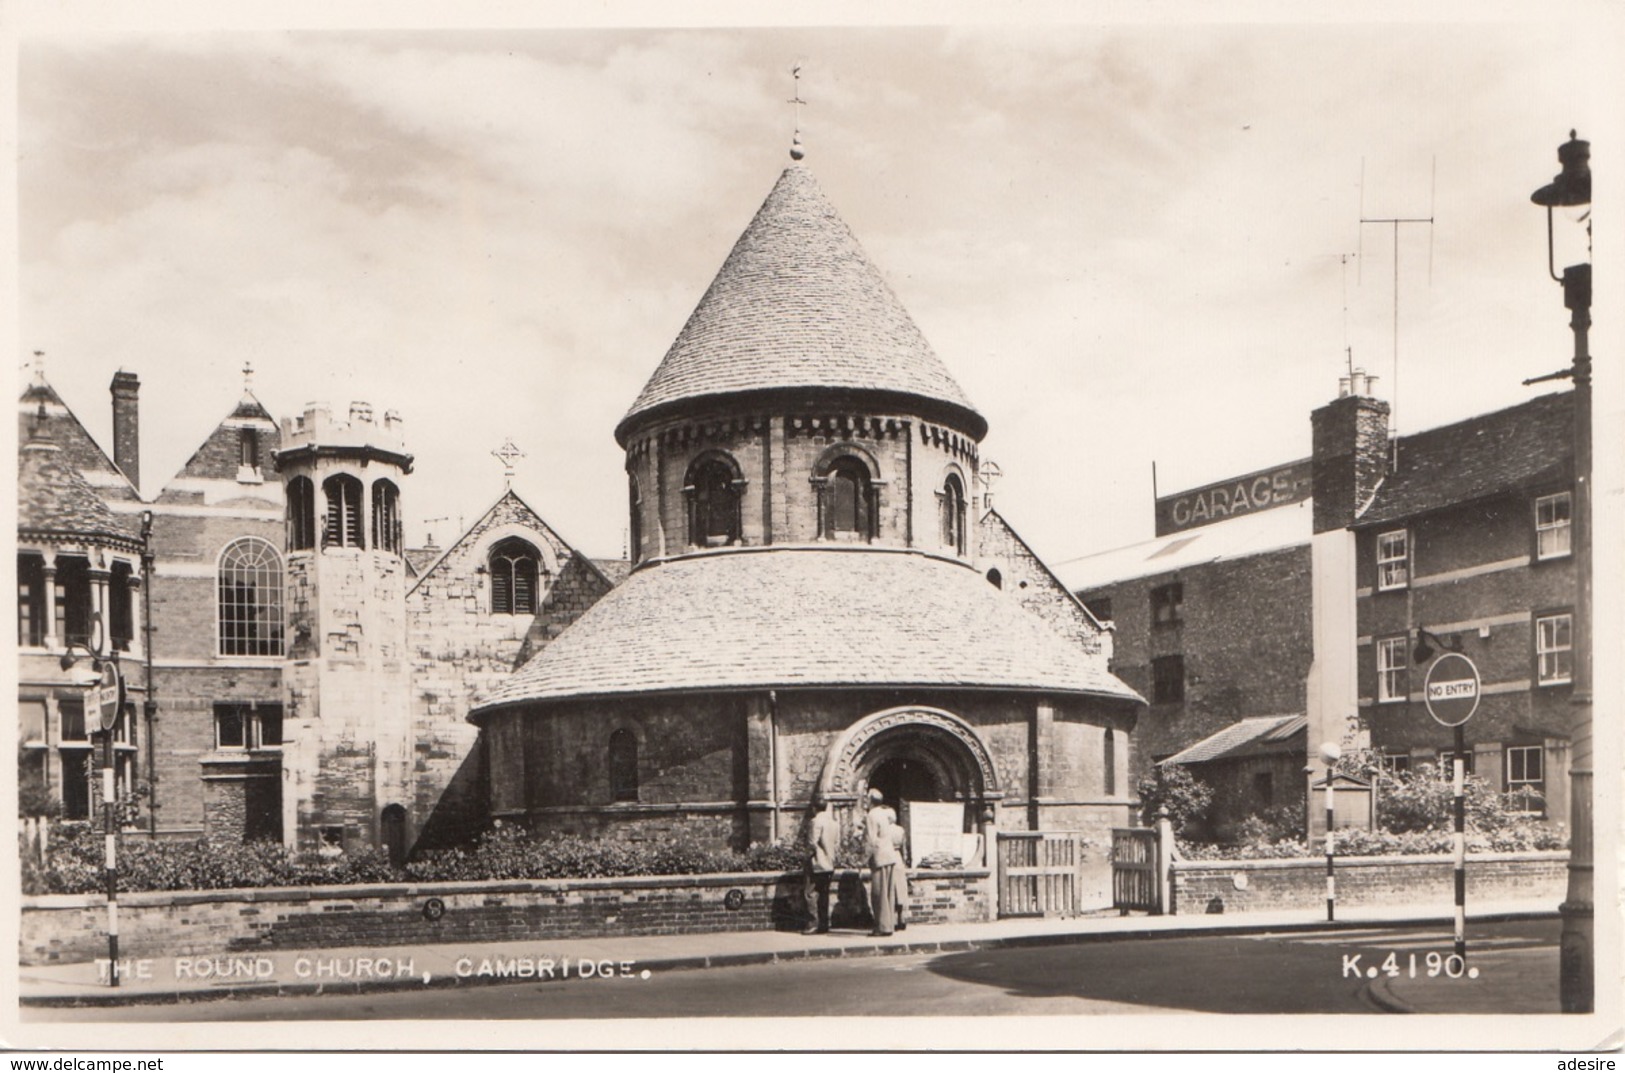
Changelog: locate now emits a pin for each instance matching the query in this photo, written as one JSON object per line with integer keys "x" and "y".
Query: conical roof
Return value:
{"x": 798, "y": 305}
{"x": 55, "y": 500}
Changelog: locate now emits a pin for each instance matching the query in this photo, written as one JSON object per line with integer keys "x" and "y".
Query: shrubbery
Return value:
{"x": 75, "y": 862}
{"x": 1173, "y": 787}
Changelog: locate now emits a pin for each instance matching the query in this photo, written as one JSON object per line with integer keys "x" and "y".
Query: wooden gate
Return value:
{"x": 1039, "y": 873}
{"x": 1134, "y": 870}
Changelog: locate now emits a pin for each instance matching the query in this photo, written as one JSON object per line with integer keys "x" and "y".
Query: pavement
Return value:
{"x": 351, "y": 970}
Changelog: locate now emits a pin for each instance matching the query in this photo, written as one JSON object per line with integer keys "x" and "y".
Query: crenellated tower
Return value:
{"x": 347, "y": 757}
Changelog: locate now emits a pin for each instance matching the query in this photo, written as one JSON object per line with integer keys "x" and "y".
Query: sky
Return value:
{"x": 1131, "y": 242}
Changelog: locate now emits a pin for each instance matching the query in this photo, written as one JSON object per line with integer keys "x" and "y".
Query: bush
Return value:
{"x": 1356, "y": 842}
{"x": 1174, "y": 787}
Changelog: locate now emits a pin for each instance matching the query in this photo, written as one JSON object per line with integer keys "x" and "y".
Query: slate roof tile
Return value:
{"x": 1519, "y": 448}
{"x": 53, "y": 498}
{"x": 798, "y": 304}
{"x": 1258, "y": 736}
{"x": 782, "y": 617}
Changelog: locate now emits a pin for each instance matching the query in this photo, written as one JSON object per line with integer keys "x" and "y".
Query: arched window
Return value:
{"x": 250, "y": 599}
{"x": 301, "y": 514}
{"x": 343, "y": 528}
{"x": 1108, "y": 763}
{"x": 515, "y": 576}
{"x": 848, "y": 500}
{"x": 386, "y": 516}
{"x": 951, "y": 513}
{"x": 635, "y": 509}
{"x": 713, "y": 503}
{"x": 623, "y": 766}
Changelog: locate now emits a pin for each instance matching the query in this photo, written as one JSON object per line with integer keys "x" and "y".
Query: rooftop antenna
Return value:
{"x": 508, "y": 453}
{"x": 1395, "y": 222}
{"x": 796, "y": 151}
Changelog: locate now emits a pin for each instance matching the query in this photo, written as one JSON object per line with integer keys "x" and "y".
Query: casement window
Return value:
{"x": 70, "y": 601}
{"x": 386, "y": 516}
{"x": 1393, "y": 560}
{"x": 344, "y": 495}
{"x": 301, "y": 514}
{"x": 121, "y": 606}
{"x": 1168, "y": 604}
{"x": 1393, "y": 670}
{"x": 1167, "y": 679}
{"x": 1395, "y": 763}
{"x": 30, "y": 600}
{"x": 623, "y": 766}
{"x": 247, "y": 726}
{"x": 951, "y": 514}
{"x": 1554, "y": 649}
{"x": 1554, "y": 532}
{"x": 713, "y": 490}
{"x": 1526, "y": 775}
{"x": 515, "y": 567}
{"x": 250, "y": 599}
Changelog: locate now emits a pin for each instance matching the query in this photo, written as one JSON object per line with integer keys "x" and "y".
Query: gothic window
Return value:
{"x": 714, "y": 504}
{"x": 250, "y": 599}
{"x": 623, "y": 766}
{"x": 515, "y": 576}
{"x": 344, "y": 508}
{"x": 301, "y": 514}
{"x": 386, "y": 516}
{"x": 951, "y": 514}
{"x": 848, "y": 502}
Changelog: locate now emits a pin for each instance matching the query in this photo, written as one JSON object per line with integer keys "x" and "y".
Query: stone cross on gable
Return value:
{"x": 508, "y": 454}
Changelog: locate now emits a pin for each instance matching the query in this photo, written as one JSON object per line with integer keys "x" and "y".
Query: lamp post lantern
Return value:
{"x": 1571, "y": 189}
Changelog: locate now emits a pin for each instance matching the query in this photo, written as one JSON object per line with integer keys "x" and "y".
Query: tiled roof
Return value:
{"x": 798, "y": 304}
{"x": 808, "y": 617}
{"x": 1259, "y": 736}
{"x": 1238, "y": 537}
{"x": 1522, "y": 447}
{"x": 615, "y": 571}
{"x": 54, "y": 499}
{"x": 68, "y": 433}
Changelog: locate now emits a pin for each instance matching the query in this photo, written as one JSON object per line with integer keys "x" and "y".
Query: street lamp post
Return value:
{"x": 1330, "y": 753}
{"x": 106, "y": 690}
{"x": 1571, "y": 188}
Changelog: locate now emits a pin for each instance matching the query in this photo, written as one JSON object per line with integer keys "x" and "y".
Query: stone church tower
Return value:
{"x": 347, "y": 757}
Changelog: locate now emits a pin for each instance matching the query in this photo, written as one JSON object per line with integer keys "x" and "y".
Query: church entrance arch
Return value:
{"x": 912, "y": 754}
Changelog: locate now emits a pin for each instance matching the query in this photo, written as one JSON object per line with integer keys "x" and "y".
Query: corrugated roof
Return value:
{"x": 805, "y": 617}
{"x": 798, "y": 304}
{"x": 1258, "y": 736}
{"x": 1247, "y": 534}
{"x": 1519, "y": 448}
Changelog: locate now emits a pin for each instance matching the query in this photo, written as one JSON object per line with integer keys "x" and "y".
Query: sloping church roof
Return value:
{"x": 798, "y": 305}
{"x": 782, "y": 617}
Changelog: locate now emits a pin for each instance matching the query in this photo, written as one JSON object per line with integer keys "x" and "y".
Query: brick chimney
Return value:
{"x": 1350, "y": 451}
{"x": 127, "y": 425}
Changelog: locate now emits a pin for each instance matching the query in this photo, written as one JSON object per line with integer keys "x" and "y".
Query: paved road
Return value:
{"x": 1303, "y": 972}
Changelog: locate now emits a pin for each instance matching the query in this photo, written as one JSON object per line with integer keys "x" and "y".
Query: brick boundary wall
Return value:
{"x": 71, "y": 927}
{"x": 1300, "y": 883}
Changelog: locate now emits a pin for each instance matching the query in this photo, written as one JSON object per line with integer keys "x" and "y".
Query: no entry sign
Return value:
{"x": 108, "y": 695}
{"x": 1452, "y": 689}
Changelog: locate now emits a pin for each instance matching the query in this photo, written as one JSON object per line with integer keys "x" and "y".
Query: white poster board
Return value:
{"x": 935, "y": 828}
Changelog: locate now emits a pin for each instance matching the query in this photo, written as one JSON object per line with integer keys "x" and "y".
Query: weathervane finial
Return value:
{"x": 796, "y": 151}
{"x": 248, "y": 378}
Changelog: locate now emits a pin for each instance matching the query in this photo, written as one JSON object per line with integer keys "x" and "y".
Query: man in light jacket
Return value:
{"x": 823, "y": 840}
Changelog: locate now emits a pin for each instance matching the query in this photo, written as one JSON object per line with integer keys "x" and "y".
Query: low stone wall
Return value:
{"x": 187, "y": 923}
{"x": 1246, "y": 886}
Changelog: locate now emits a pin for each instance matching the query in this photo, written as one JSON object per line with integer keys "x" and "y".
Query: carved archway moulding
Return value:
{"x": 839, "y": 779}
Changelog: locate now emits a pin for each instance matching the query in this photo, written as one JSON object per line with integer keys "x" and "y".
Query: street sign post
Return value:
{"x": 1451, "y": 693}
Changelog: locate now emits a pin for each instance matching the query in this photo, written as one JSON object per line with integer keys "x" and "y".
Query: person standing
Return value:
{"x": 899, "y": 870}
{"x": 823, "y": 840}
{"x": 882, "y": 856}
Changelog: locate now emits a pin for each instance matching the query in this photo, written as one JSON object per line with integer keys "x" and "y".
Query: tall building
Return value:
{"x": 310, "y": 673}
{"x": 819, "y": 605}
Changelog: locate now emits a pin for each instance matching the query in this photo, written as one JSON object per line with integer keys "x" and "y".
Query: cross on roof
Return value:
{"x": 248, "y": 377}
{"x": 508, "y": 453}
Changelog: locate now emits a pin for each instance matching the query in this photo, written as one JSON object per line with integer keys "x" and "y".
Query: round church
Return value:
{"x": 820, "y": 603}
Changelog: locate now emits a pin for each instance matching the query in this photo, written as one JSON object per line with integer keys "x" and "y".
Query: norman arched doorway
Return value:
{"x": 916, "y": 755}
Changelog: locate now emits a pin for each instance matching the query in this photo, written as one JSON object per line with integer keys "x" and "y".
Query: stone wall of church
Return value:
{"x": 778, "y": 457}
{"x": 1025, "y": 578}
{"x": 714, "y": 766}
